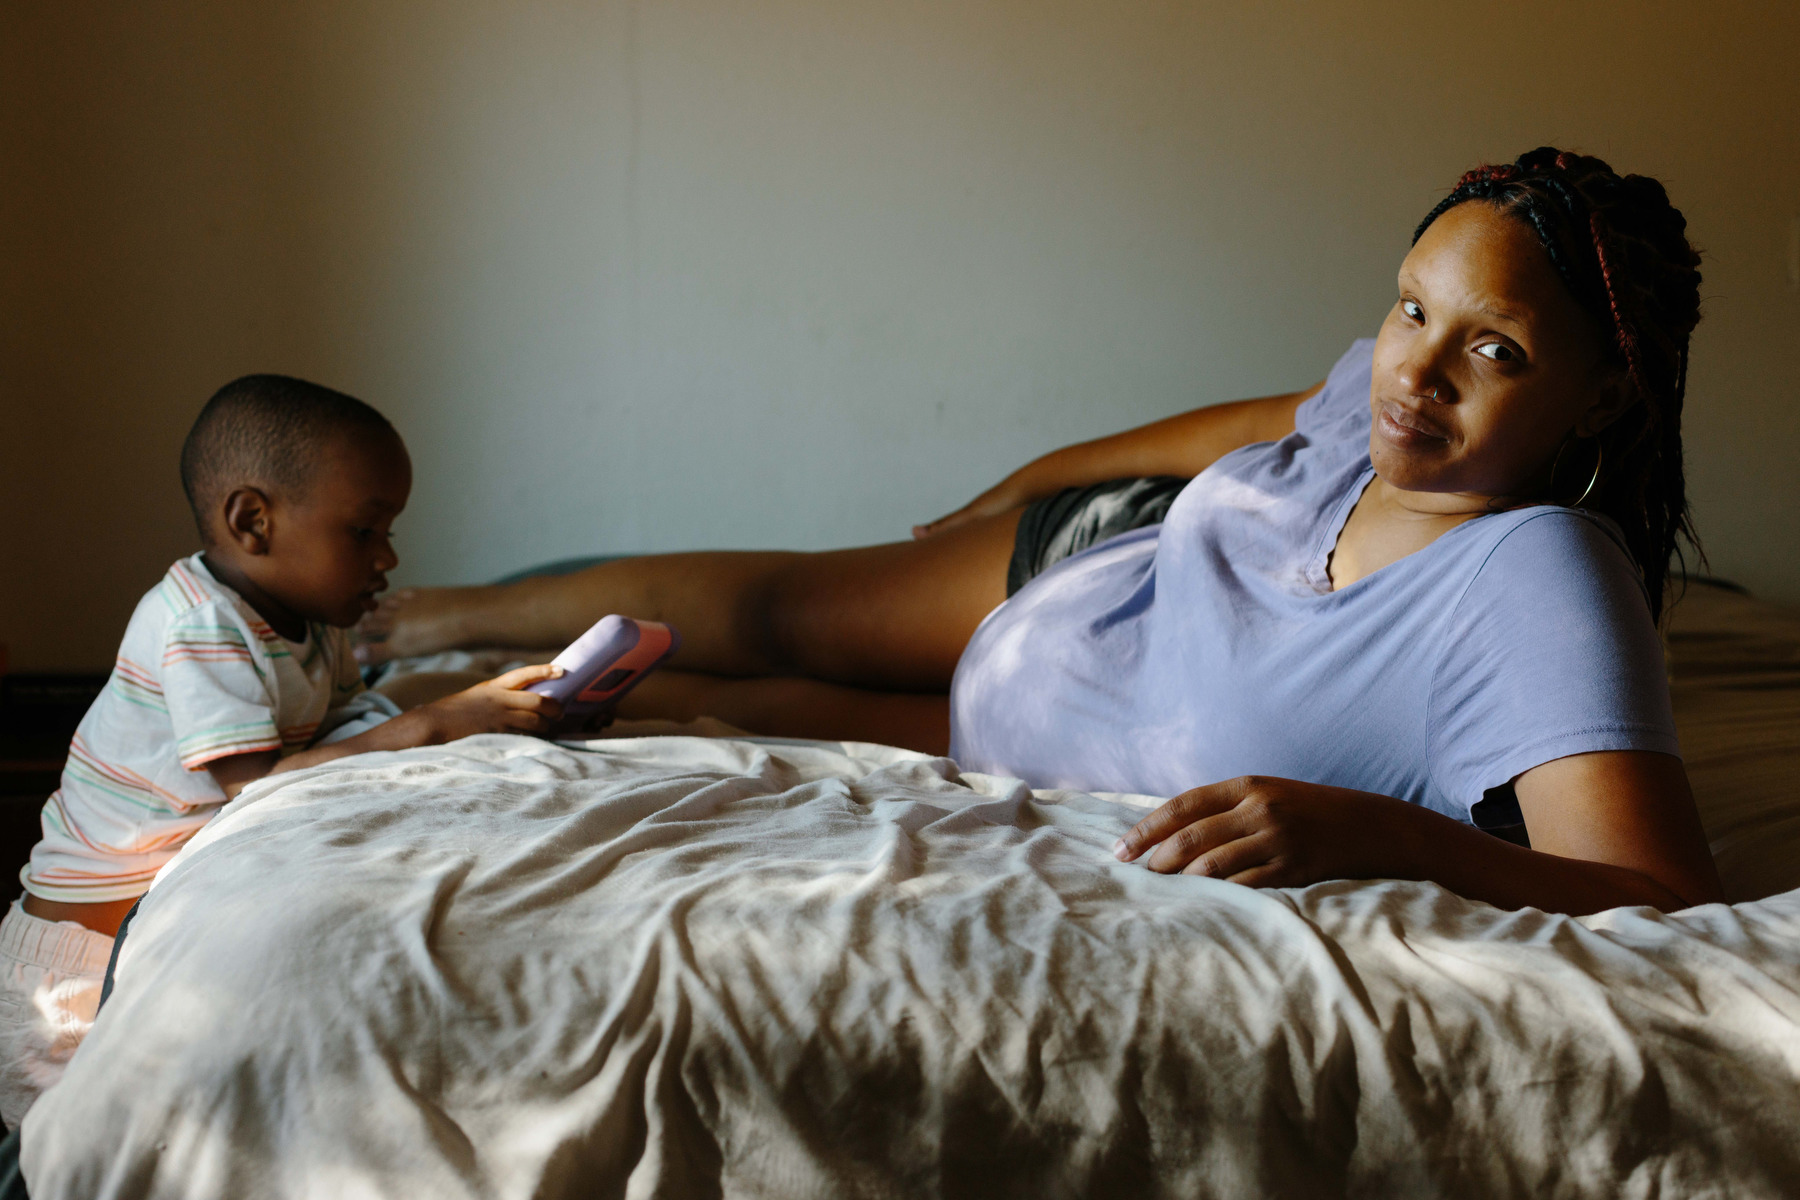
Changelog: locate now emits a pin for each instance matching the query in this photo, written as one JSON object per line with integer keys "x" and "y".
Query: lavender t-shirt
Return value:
{"x": 1214, "y": 646}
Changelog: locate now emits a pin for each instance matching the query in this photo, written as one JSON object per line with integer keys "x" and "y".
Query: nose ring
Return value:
{"x": 1434, "y": 393}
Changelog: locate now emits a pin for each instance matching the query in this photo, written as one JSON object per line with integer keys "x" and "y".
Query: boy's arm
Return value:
{"x": 238, "y": 772}
{"x": 497, "y": 706}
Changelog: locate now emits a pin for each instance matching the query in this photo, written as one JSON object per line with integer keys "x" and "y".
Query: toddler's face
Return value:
{"x": 330, "y": 551}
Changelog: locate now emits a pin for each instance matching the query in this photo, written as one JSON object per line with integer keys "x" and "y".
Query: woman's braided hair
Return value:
{"x": 1622, "y": 250}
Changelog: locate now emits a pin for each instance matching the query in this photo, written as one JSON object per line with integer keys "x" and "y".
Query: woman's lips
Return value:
{"x": 1405, "y": 426}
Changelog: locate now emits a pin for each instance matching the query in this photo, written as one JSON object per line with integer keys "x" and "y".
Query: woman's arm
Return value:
{"x": 1607, "y": 829}
{"x": 1186, "y": 444}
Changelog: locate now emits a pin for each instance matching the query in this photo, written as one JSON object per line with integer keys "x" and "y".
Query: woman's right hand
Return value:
{"x": 498, "y": 706}
{"x": 1002, "y": 497}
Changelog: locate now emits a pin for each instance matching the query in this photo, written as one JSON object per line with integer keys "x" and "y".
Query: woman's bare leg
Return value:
{"x": 790, "y": 707}
{"x": 777, "y": 707}
{"x": 895, "y": 616}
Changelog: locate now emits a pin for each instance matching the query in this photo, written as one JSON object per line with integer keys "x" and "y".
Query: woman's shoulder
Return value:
{"x": 1341, "y": 407}
{"x": 1536, "y": 530}
{"x": 1546, "y": 557}
{"x": 1355, "y": 363}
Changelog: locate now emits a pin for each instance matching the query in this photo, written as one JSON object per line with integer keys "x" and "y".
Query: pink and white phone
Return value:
{"x": 603, "y": 664}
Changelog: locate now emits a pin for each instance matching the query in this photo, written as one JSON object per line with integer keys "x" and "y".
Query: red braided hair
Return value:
{"x": 1621, "y": 249}
{"x": 1627, "y": 336}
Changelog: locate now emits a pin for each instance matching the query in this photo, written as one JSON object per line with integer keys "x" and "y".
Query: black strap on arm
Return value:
{"x": 12, "y": 1183}
{"x": 112, "y": 964}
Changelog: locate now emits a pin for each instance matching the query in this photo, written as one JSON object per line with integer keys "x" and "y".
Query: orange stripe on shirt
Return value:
{"x": 137, "y": 674}
{"x": 210, "y": 654}
{"x": 189, "y": 586}
{"x": 65, "y": 878}
{"x": 228, "y": 751}
{"x": 125, "y": 776}
{"x": 68, "y": 822}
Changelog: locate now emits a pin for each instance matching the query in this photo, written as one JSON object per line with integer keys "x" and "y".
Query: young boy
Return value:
{"x": 236, "y": 666}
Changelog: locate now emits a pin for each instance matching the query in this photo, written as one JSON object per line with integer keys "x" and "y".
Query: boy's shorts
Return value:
{"x": 50, "y": 976}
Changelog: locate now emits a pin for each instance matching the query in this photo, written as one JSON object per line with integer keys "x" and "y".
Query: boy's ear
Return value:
{"x": 248, "y": 523}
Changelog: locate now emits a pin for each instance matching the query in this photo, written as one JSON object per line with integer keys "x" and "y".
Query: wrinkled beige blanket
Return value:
{"x": 683, "y": 967}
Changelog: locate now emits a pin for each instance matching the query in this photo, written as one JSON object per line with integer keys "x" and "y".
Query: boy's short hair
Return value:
{"x": 265, "y": 430}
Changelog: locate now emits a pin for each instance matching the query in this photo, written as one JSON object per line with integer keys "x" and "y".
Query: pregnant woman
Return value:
{"x": 1416, "y": 600}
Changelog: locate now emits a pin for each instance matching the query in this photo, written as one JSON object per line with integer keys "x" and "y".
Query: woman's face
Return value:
{"x": 1485, "y": 364}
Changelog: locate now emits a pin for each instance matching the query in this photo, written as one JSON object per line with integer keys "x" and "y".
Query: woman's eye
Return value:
{"x": 1412, "y": 310}
{"x": 1498, "y": 352}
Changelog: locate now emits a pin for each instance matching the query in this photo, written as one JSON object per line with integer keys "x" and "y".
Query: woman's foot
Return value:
{"x": 421, "y": 621}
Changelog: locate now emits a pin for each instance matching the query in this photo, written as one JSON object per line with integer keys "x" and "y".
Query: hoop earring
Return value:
{"x": 1599, "y": 457}
{"x": 1556, "y": 467}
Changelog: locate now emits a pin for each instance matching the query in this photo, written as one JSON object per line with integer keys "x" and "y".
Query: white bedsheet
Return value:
{"x": 676, "y": 966}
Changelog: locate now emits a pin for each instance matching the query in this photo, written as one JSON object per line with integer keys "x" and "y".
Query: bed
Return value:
{"x": 683, "y": 965}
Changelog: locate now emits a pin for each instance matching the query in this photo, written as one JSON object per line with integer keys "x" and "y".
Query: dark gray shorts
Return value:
{"x": 1073, "y": 519}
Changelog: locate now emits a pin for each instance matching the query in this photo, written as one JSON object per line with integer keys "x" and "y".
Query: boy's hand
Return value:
{"x": 497, "y": 706}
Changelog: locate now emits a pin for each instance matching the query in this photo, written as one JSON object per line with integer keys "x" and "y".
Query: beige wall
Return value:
{"x": 708, "y": 273}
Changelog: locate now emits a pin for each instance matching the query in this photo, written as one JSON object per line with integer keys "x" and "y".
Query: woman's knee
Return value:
{"x": 878, "y": 616}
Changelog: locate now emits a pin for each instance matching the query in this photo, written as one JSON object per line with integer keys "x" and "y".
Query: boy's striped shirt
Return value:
{"x": 199, "y": 677}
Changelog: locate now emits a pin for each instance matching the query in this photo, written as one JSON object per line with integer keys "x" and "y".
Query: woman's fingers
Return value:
{"x": 370, "y": 634}
{"x": 1267, "y": 874}
{"x": 520, "y": 677}
{"x": 376, "y": 625}
{"x": 989, "y": 503}
{"x": 1265, "y": 832}
{"x": 1185, "y": 809}
{"x": 1228, "y": 851}
{"x": 1200, "y": 848}
{"x": 947, "y": 521}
